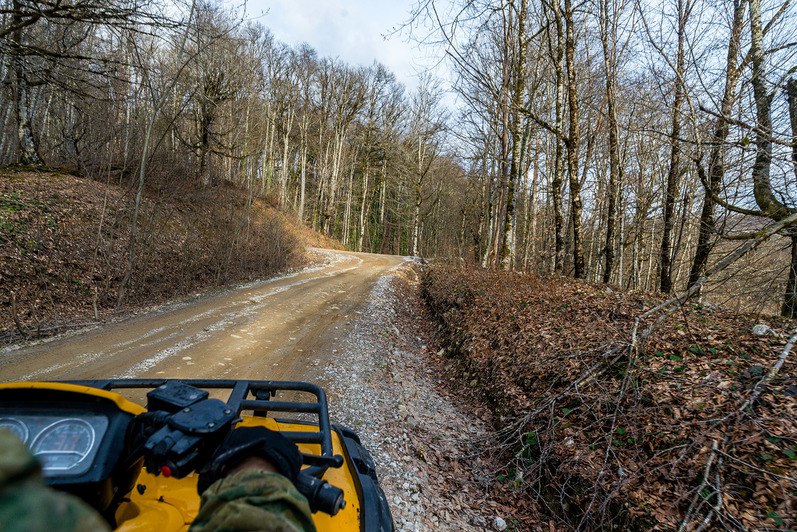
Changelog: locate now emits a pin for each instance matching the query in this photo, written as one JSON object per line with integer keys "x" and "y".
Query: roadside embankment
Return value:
{"x": 694, "y": 426}
{"x": 66, "y": 246}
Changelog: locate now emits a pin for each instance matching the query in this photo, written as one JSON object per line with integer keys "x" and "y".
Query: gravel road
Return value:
{"x": 429, "y": 450}
{"x": 281, "y": 328}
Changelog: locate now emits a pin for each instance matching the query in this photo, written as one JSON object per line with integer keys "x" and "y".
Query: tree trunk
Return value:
{"x": 622, "y": 244}
{"x": 363, "y": 207}
{"x": 516, "y": 164}
{"x": 330, "y": 213}
{"x": 418, "y": 199}
{"x": 573, "y": 142}
{"x": 347, "y": 209}
{"x": 303, "y": 182}
{"x": 648, "y": 284}
{"x": 490, "y": 209}
{"x": 716, "y": 168}
{"x": 558, "y": 170}
{"x": 791, "y": 96}
{"x": 284, "y": 170}
{"x": 673, "y": 174}
{"x": 204, "y": 147}
{"x": 530, "y": 234}
{"x": 499, "y": 227}
{"x": 416, "y": 222}
{"x": 609, "y": 40}
{"x": 26, "y": 142}
{"x": 764, "y": 195}
{"x": 789, "y": 309}
{"x": 383, "y": 194}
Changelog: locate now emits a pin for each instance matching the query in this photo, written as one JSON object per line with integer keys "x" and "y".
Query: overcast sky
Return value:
{"x": 352, "y": 30}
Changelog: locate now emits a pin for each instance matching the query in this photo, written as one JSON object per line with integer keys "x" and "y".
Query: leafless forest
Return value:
{"x": 650, "y": 146}
{"x": 627, "y": 142}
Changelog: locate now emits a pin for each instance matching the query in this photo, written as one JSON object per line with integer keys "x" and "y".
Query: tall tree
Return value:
{"x": 683, "y": 9}
{"x": 426, "y": 127}
{"x": 573, "y": 141}
{"x": 610, "y": 12}
{"x": 716, "y": 158}
{"x": 516, "y": 167}
{"x": 763, "y": 191}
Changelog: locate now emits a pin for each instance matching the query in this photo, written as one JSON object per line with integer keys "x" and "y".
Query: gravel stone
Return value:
{"x": 763, "y": 329}
{"x": 381, "y": 386}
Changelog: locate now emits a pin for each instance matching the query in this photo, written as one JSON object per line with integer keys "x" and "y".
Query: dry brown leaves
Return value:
{"x": 630, "y": 445}
{"x": 64, "y": 245}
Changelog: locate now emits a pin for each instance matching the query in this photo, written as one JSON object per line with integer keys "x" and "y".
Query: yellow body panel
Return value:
{"x": 167, "y": 504}
{"x": 121, "y": 401}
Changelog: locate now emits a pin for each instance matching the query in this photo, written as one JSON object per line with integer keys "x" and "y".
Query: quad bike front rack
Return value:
{"x": 259, "y": 398}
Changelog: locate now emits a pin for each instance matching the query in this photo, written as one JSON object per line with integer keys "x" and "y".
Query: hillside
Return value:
{"x": 65, "y": 243}
{"x": 695, "y": 423}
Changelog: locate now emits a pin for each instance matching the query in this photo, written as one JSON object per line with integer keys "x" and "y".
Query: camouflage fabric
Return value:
{"x": 27, "y": 504}
{"x": 253, "y": 500}
{"x": 246, "y": 500}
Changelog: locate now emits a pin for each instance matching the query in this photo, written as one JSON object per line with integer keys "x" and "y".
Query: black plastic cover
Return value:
{"x": 107, "y": 469}
{"x": 206, "y": 417}
{"x": 173, "y": 397}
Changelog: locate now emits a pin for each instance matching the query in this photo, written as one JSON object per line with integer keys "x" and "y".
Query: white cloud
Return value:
{"x": 352, "y": 30}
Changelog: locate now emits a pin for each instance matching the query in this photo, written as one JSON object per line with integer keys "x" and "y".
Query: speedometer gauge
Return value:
{"x": 15, "y": 426}
{"x": 64, "y": 444}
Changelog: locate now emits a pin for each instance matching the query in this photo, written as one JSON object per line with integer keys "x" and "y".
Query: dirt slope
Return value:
{"x": 65, "y": 242}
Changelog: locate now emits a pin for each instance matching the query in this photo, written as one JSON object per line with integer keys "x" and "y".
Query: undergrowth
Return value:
{"x": 604, "y": 433}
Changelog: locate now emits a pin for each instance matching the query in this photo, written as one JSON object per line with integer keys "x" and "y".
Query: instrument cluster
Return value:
{"x": 65, "y": 444}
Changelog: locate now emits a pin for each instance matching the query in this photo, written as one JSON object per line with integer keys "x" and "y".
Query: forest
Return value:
{"x": 606, "y": 189}
{"x": 628, "y": 142}
{"x": 632, "y": 143}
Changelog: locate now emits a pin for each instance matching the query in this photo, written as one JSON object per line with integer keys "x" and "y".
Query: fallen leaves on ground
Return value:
{"x": 65, "y": 246}
{"x": 631, "y": 443}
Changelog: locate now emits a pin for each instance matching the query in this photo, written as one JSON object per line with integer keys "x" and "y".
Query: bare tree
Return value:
{"x": 26, "y": 38}
{"x": 716, "y": 160}
{"x": 683, "y": 10}
{"x": 610, "y": 13}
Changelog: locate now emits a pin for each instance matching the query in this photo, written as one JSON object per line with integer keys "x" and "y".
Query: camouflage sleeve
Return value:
{"x": 27, "y": 504}
{"x": 253, "y": 500}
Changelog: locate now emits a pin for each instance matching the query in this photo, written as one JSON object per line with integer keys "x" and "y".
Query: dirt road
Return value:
{"x": 284, "y": 328}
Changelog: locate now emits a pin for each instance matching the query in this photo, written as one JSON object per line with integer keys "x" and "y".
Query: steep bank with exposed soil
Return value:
{"x": 65, "y": 247}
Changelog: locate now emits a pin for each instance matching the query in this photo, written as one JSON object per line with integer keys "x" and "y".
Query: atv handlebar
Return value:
{"x": 181, "y": 436}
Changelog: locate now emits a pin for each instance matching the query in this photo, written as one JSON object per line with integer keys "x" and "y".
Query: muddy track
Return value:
{"x": 283, "y": 328}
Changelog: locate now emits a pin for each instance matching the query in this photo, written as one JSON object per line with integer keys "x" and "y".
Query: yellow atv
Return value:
{"x": 137, "y": 466}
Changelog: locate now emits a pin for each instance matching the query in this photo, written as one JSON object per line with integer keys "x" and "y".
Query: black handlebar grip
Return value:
{"x": 321, "y": 495}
